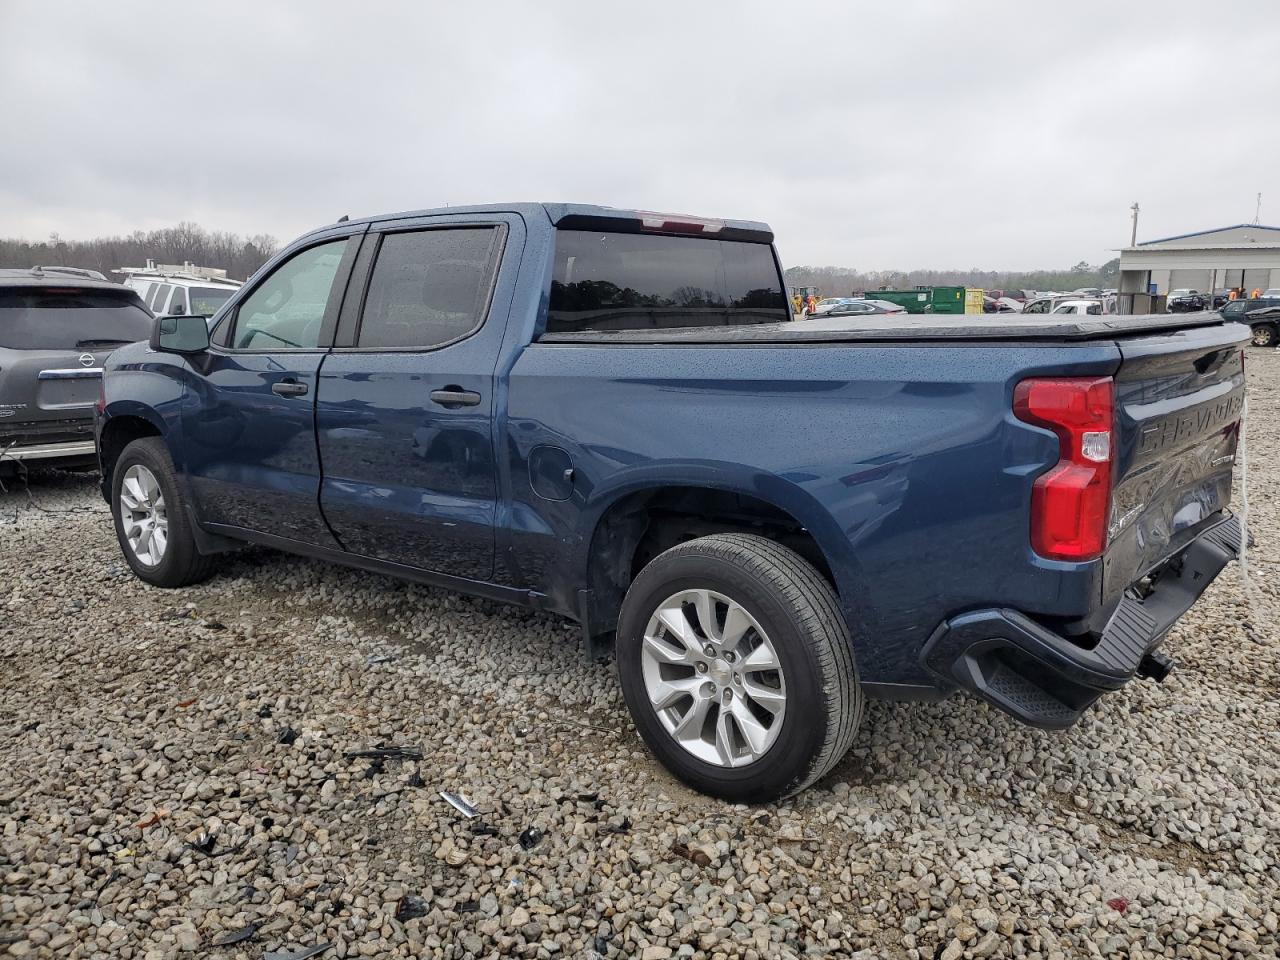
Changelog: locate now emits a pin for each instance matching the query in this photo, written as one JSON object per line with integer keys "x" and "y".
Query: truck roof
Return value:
{"x": 594, "y": 217}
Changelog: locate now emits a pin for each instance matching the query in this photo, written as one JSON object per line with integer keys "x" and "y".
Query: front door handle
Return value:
{"x": 452, "y": 396}
{"x": 289, "y": 388}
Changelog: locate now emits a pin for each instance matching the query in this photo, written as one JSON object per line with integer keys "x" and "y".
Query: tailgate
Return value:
{"x": 1179, "y": 397}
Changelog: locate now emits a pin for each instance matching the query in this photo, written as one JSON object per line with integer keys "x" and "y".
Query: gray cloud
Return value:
{"x": 1003, "y": 135}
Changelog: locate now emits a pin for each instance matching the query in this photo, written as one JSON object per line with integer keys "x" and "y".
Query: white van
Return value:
{"x": 186, "y": 289}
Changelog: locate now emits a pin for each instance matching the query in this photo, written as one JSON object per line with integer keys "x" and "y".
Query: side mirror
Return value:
{"x": 180, "y": 334}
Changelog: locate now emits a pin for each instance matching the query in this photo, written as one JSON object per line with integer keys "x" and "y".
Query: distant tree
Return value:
{"x": 239, "y": 256}
{"x": 842, "y": 281}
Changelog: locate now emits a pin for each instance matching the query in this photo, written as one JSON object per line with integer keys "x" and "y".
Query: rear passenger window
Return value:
{"x": 626, "y": 281}
{"x": 428, "y": 287}
{"x": 158, "y": 296}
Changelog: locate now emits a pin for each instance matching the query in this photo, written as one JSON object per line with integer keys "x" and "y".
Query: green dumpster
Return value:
{"x": 924, "y": 299}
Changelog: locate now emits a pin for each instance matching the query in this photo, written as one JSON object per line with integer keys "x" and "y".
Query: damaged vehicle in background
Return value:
{"x": 57, "y": 325}
{"x": 613, "y": 416}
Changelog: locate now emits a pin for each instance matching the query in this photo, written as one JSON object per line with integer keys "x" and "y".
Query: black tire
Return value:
{"x": 1264, "y": 335}
{"x": 181, "y": 564}
{"x": 799, "y": 611}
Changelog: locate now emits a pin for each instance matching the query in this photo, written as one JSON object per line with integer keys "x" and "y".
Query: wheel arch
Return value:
{"x": 122, "y": 425}
{"x": 634, "y": 521}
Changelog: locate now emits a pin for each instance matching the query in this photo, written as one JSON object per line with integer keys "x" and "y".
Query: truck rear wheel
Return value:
{"x": 737, "y": 667}
{"x": 1264, "y": 335}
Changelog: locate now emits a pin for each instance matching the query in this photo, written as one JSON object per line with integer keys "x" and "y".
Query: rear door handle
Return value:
{"x": 452, "y": 396}
{"x": 289, "y": 388}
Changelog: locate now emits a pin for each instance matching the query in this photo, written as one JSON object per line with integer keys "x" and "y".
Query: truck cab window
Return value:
{"x": 625, "y": 281}
{"x": 286, "y": 310}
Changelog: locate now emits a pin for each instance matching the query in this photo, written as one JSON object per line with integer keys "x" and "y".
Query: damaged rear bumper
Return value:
{"x": 1047, "y": 680}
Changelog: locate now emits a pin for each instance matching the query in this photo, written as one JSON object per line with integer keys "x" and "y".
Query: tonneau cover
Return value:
{"x": 895, "y": 327}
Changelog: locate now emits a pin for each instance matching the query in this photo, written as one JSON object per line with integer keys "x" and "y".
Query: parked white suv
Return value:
{"x": 186, "y": 289}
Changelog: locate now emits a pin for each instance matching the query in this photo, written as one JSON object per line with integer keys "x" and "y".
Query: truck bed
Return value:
{"x": 881, "y": 328}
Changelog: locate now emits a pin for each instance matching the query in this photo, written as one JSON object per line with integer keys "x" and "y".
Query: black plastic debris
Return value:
{"x": 287, "y": 736}
{"x": 483, "y": 829}
{"x": 410, "y": 908}
{"x": 304, "y": 954}
{"x": 237, "y": 936}
{"x": 373, "y": 769}
{"x": 376, "y": 658}
{"x": 469, "y": 906}
{"x": 530, "y": 838}
{"x": 385, "y": 752}
{"x": 205, "y": 842}
{"x": 621, "y": 826}
{"x": 416, "y": 780}
{"x": 111, "y": 877}
{"x": 264, "y": 712}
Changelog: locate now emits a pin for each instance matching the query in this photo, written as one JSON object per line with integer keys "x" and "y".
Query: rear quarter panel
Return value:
{"x": 903, "y": 461}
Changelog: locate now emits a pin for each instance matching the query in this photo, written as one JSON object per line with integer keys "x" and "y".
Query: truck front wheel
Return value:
{"x": 150, "y": 517}
{"x": 737, "y": 667}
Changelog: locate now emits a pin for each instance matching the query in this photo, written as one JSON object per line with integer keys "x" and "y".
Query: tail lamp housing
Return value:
{"x": 1071, "y": 501}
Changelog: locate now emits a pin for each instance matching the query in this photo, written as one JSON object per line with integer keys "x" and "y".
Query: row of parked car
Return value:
{"x": 1079, "y": 303}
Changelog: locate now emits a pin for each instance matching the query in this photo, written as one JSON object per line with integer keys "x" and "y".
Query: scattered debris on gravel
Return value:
{"x": 258, "y": 766}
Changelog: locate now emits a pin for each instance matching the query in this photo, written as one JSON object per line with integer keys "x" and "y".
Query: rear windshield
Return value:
{"x": 70, "y": 319}
{"x": 628, "y": 281}
{"x": 205, "y": 301}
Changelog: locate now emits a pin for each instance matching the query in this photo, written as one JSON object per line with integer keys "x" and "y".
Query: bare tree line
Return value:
{"x": 239, "y": 256}
{"x": 843, "y": 281}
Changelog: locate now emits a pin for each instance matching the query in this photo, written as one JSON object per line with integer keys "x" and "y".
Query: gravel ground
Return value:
{"x": 176, "y": 772}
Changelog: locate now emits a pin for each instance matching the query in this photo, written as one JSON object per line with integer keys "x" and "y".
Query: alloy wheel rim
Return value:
{"x": 143, "y": 515}
{"x": 713, "y": 678}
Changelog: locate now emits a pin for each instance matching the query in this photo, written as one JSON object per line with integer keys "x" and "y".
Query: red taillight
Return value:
{"x": 667, "y": 223}
{"x": 1070, "y": 503}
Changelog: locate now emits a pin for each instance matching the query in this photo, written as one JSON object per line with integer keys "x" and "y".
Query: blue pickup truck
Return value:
{"x": 613, "y": 415}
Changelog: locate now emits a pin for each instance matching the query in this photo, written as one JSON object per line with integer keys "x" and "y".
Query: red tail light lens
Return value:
{"x": 1071, "y": 501}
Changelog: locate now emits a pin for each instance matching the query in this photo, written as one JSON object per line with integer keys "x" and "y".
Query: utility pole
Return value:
{"x": 1133, "y": 237}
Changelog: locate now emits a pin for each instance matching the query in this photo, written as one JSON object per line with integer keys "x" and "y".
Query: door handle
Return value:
{"x": 288, "y": 388}
{"x": 452, "y": 396}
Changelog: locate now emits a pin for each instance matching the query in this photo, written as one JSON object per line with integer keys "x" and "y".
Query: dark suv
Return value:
{"x": 57, "y": 325}
{"x": 1262, "y": 314}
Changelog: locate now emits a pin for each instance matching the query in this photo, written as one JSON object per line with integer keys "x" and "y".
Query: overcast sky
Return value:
{"x": 872, "y": 135}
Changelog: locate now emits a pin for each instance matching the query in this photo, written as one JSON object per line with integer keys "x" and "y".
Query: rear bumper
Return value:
{"x": 1047, "y": 680}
